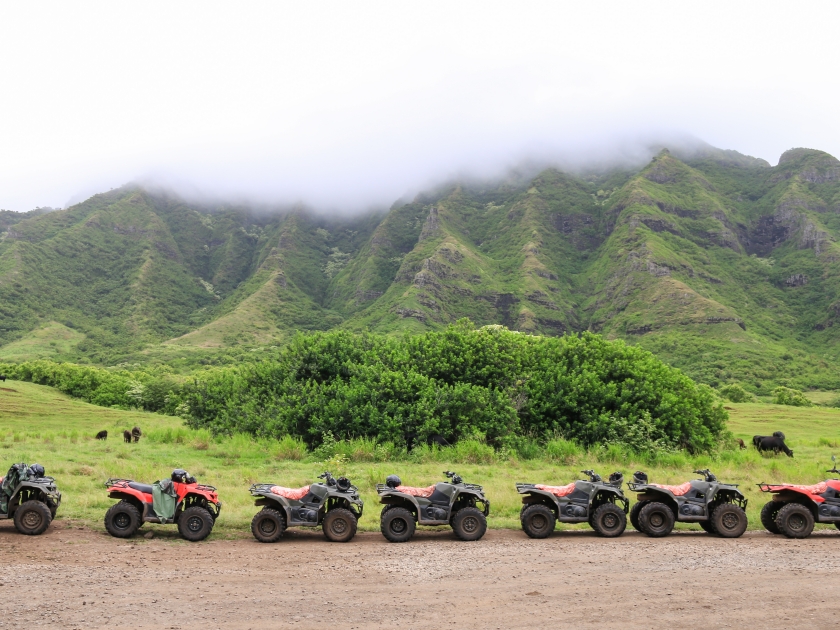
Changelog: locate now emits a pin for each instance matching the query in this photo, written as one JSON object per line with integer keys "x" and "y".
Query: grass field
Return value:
{"x": 38, "y": 423}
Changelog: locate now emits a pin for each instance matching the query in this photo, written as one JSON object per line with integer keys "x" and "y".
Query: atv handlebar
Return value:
{"x": 707, "y": 474}
{"x": 455, "y": 477}
{"x": 328, "y": 477}
{"x": 593, "y": 476}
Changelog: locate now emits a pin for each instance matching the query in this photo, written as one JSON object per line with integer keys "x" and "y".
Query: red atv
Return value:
{"x": 180, "y": 500}
{"x": 795, "y": 508}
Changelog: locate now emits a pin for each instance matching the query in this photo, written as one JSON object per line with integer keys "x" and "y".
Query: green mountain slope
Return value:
{"x": 720, "y": 263}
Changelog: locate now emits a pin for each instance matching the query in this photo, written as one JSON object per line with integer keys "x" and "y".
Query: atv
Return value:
{"x": 29, "y": 497}
{"x": 193, "y": 507}
{"x": 795, "y": 508}
{"x": 450, "y": 503}
{"x": 719, "y": 508}
{"x": 593, "y": 501}
{"x": 334, "y": 504}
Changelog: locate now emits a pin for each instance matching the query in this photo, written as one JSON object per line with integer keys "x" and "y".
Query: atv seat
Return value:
{"x": 817, "y": 488}
{"x": 677, "y": 491}
{"x": 296, "y": 494}
{"x": 557, "y": 491}
{"x": 416, "y": 492}
{"x": 142, "y": 487}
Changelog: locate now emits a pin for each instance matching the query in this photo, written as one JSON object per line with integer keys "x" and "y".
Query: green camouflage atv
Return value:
{"x": 452, "y": 503}
{"x": 334, "y": 504}
{"x": 29, "y": 497}
{"x": 717, "y": 507}
{"x": 599, "y": 503}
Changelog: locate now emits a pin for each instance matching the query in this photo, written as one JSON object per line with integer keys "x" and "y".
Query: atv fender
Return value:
{"x": 535, "y": 497}
{"x": 651, "y": 494}
{"x": 796, "y": 496}
{"x": 130, "y": 497}
{"x": 608, "y": 495}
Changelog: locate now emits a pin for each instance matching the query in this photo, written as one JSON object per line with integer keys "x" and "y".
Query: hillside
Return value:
{"x": 718, "y": 262}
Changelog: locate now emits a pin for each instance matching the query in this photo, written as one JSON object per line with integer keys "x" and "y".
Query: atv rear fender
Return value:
{"x": 653, "y": 494}
{"x": 797, "y": 496}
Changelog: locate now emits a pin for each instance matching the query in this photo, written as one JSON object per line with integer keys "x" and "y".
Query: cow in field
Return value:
{"x": 771, "y": 443}
{"x": 3, "y": 377}
{"x": 136, "y": 433}
{"x": 102, "y": 435}
{"x": 740, "y": 443}
{"x": 127, "y": 437}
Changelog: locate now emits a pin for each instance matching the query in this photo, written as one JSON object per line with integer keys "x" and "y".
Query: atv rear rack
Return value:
{"x": 120, "y": 483}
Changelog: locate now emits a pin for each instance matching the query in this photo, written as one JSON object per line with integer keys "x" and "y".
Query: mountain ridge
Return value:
{"x": 720, "y": 263}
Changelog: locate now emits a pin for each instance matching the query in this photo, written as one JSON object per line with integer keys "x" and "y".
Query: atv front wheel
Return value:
{"x": 634, "y": 514}
{"x": 339, "y": 525}
{"x": 538, "y": 521}
{"x": 469, "y": 523}
{"x": 795, "y": 521}
{"x": 268, "y": 525}
{"x": 122, "y": 520}
{"x": 729, "y": 520}
{"x": 656, "y": 519}
{"x": 768, "y": 516}
{"x": 609, "y": 520}
{"x": 32, "y": 518}
{"x": 195, "y": 523}
{"x": 398, "y": 525}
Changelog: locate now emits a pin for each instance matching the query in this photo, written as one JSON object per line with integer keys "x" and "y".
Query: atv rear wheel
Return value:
{"x": 339, "y": 525}
{"x": 397, "y": 525}
{"x": 122, "y": 520}
{"x": 729, "y": 520}
{"x": 32, "y": 518}
{"x": 195, "y": 523}
{"x": 469, "y": 523}
{"x": 634, "y": 514}
{"x": 768, "y": 516}
{"x": 795, "y": 521}
{"x": 538, "y": 521}
{"x": 656, "y": 519}
{"x": 268, "y": 525}
{"x": 609, "y": 520}
{"x": 707, "y": 526}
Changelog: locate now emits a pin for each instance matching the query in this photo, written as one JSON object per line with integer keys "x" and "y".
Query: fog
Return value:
{"x": 348, "y": 106}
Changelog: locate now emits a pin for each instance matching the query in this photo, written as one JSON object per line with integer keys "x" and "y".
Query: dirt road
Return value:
{"x": 71, "y": 578}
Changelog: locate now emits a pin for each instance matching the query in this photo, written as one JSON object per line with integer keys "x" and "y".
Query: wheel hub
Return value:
{"x": 267, "y": 526}
{"x": 398, "y": 526}
{"x": 538, "y": 522}
{"x": 339, "y": 526}
{"x": 610, "y": 521}
{"x": 796, "y": 522}
{"x": 194, "y": 524}
{"x": 730, "y": 521}
{"x": 121, "y": 521}
{"x": 656, "y": 519}
{"x": 470, "y": 524}
{"x": 31, "y": 519}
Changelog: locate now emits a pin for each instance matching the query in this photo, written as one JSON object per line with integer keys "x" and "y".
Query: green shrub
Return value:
{"x": 458, "y": 383}
{"x": 735, "y": 393}
{"x": 563, "y": 451}
{"x": 792, "y": 397}
{"x": 289, "y": 447}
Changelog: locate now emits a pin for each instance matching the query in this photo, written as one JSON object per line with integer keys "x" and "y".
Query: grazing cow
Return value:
{"x": 741, "y": 443}
{"x": 136, "y": 433}
{"x": 434, "y": 438}
{"x": 3, "y": 377}
{"x": 102, "y": 435}
{"x": 127, "y": 436}
{"x": 775, "y": 444}
{"x": 757, "y": 440}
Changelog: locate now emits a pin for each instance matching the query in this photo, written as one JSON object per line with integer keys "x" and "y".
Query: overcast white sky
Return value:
{"x": 348, "y": 104}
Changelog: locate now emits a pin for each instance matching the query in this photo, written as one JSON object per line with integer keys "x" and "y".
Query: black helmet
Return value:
{"x": 36, "y": 470}
{"x": 393, "y": 481}
{"x": 179, "y": 475}
{"x": 343, "y": 484}
{"x": 191, "y": 479}
{"x": 640, "y": 477}
{"x": 616, "y": 478}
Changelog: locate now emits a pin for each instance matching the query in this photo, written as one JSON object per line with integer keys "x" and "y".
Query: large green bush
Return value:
{"x": 788, "y": 396}
{"x": 488, "y": 385}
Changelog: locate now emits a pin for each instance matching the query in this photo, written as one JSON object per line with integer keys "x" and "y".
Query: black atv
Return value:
{"x": 450, "y": 503}
{"x": 29, "y": 497}
{"x": 593, "y": 501}
{"x": 334, "y": 504}
{"x": 719, "y": 508}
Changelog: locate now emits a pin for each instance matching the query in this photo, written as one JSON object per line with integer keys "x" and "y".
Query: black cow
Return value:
{"x": 775, "y": 444}
{"x": 779, "y": 434}
{"x": 3, "y": 377}
{"x": 136, "y": 433}
{"x": 127, "y": 436}
{"x": 434, "y": 438}
{"x": 102, "y": 435}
